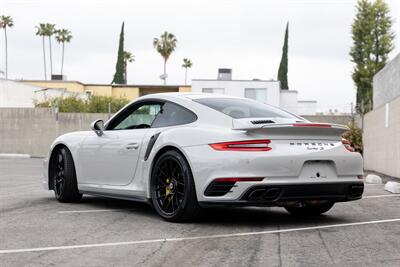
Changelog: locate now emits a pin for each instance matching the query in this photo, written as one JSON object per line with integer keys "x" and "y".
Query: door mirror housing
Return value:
{"x": 98, "y": 127}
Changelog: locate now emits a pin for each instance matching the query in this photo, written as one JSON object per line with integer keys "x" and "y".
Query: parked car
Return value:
{"x": 184, "y": 151}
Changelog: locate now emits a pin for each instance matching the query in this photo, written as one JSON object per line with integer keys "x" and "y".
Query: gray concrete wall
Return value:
{"x": 387, "y": 83}
{"x": 32, "y": 130}
{"x": 382, "y": 139}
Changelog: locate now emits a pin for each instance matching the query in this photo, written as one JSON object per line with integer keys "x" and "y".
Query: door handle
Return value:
{"x": 132, "y": 146}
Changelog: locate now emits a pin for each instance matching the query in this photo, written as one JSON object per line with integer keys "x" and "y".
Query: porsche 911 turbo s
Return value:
{"x": 182, "y": 152}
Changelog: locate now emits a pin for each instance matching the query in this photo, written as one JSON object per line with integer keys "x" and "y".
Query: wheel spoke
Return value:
{"x": 169, "y": 184}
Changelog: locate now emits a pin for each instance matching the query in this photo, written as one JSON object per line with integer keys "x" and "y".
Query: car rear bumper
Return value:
{"x": 279, "y": 194}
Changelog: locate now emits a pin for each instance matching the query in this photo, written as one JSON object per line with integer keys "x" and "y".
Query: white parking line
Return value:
{"x": 175, "y": 239}
{"x": 387, "y": 195}
{"x": 88, "y": 211}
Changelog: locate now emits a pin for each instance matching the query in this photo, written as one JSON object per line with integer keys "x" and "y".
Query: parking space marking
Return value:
{"x": 89, "y": 211}
{"x": 378, "y": 196}
{"x": 176, "y": 239}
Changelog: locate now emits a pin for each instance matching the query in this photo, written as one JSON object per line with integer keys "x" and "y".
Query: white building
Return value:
{"x": 19, "y": 95}
{"x": 267, "y": 91}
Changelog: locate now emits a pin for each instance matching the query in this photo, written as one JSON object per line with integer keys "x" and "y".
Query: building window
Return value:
{"x": 88, "y": 93}
{"x": 259, "y": 94}
{"x": 214, "y": 90}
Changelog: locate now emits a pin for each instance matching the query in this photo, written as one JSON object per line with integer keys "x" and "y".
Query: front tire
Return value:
{"x": 64, "y": 177}
{"x": 173, "y": 191}
{"x": 310, "y": 209}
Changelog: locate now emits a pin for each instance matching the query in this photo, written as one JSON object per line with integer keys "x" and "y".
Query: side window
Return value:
{"x": 172, "y": 114}
{"x": 140, "y": 117}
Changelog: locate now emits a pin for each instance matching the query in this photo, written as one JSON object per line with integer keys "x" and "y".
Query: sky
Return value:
{"x": 245, "y": 35}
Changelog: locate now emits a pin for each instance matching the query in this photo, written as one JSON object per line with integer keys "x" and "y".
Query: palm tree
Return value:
{"x": 6, "y": 21}
{"x": 49, "y": 30}
{"x": 63, "y": 36}
{"x": 165, "y": 45}
{"x": 186, "y": 64}
{"x": 128, "y": 58}
{"x": 40, "y": 31}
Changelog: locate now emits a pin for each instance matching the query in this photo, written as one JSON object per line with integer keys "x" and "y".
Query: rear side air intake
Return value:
{"x": 262, "y": 121}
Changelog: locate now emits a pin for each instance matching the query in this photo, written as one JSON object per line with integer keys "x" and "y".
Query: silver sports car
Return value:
{"x": 181, "y": 152}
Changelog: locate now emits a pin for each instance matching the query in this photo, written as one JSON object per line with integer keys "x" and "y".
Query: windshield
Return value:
{"x": 244, "y": 108}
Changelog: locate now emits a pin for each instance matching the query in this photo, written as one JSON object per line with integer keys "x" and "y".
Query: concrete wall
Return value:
{"x": 387, "y": 83}
{"x": 382, "y": 139}
{"x": 32, "y": 130}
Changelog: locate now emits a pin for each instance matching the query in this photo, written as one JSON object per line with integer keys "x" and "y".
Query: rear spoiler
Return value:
{"x": 304, "y": 127}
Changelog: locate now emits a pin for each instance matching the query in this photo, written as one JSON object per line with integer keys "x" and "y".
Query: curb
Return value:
{"x": 20, "y": 156}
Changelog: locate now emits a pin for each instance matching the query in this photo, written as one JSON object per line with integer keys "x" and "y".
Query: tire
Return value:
{"x": 310, "y": 209}
{"x": 64, "y": 177}
{"x": 173, "y": 192}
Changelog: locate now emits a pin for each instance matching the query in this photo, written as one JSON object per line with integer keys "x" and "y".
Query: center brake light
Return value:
{"x": 248, "y": 145}
{"x": 317, "y": 125}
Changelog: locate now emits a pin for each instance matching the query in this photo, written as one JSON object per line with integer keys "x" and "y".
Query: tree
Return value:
{"x": 187, "y": 63}
{"x": 40, "y": 31}
{"x": 63, "y": 36}
{"x": 119, "y": 68}
{"x": 128, "y": 58}
{"x": 283, "y": 66}
{"x": 6, "y": 21}
{"x": 372, "y": 42}
{"x": 49, "y": 30}
{"x": 165, "y": 45}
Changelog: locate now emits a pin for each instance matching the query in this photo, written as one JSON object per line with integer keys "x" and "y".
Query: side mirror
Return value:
{"x": 98, "y": 127}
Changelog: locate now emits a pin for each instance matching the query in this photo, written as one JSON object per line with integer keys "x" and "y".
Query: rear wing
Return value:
{"x": 289, "y": 128}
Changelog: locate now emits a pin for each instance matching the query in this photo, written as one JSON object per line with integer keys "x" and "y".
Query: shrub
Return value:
{"x": 354, "y": 136}
{"x": 95, "y": 104}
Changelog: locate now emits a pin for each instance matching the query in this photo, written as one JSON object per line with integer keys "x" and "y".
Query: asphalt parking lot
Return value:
{"x": 36, "y": 230}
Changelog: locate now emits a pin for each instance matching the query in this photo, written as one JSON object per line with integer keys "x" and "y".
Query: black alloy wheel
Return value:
{"x": 173, "y": 192}
{"x": 64, "y": 176}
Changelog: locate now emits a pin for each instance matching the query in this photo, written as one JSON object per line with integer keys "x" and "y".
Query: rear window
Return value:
{"x": 244, "y": 108}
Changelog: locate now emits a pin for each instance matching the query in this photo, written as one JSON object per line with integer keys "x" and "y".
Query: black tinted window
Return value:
{"x": 172, "y": 114}
{"x": 136, "y": 116}
{"x": 243, "y": 108}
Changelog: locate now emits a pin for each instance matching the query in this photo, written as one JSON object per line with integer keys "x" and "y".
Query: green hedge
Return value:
{"x": 95, "y": 104}
{"x": 354, "y": 135}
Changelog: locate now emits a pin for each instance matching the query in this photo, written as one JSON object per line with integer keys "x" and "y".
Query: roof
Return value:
{"x": 106, "y": 84}
{"x": 190, "y": 95}
{"x": 254, "y": 80}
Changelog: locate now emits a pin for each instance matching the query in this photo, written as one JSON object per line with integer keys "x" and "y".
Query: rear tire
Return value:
{"x": 64, "y": 177}
{"x": 310, "y": 209}
{"x": 173, "y": 192}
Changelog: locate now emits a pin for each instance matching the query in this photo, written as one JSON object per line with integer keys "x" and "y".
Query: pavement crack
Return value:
{"x": 326, "y": 247}
{"x": 151, "y": 254}
{"x": 279, "y": 247}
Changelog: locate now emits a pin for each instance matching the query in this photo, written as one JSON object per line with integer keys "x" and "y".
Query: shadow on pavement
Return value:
{"x": 228, "y": 216}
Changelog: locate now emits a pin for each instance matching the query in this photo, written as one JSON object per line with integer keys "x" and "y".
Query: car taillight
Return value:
{"x": 347, "y": 145}
{"x": 248, "y": 145}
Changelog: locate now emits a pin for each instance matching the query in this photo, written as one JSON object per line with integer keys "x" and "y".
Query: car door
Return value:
{"x": 111, "y": 158}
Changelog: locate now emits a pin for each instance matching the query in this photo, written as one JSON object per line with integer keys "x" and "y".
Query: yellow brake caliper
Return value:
{"x": 168, "y": 191}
